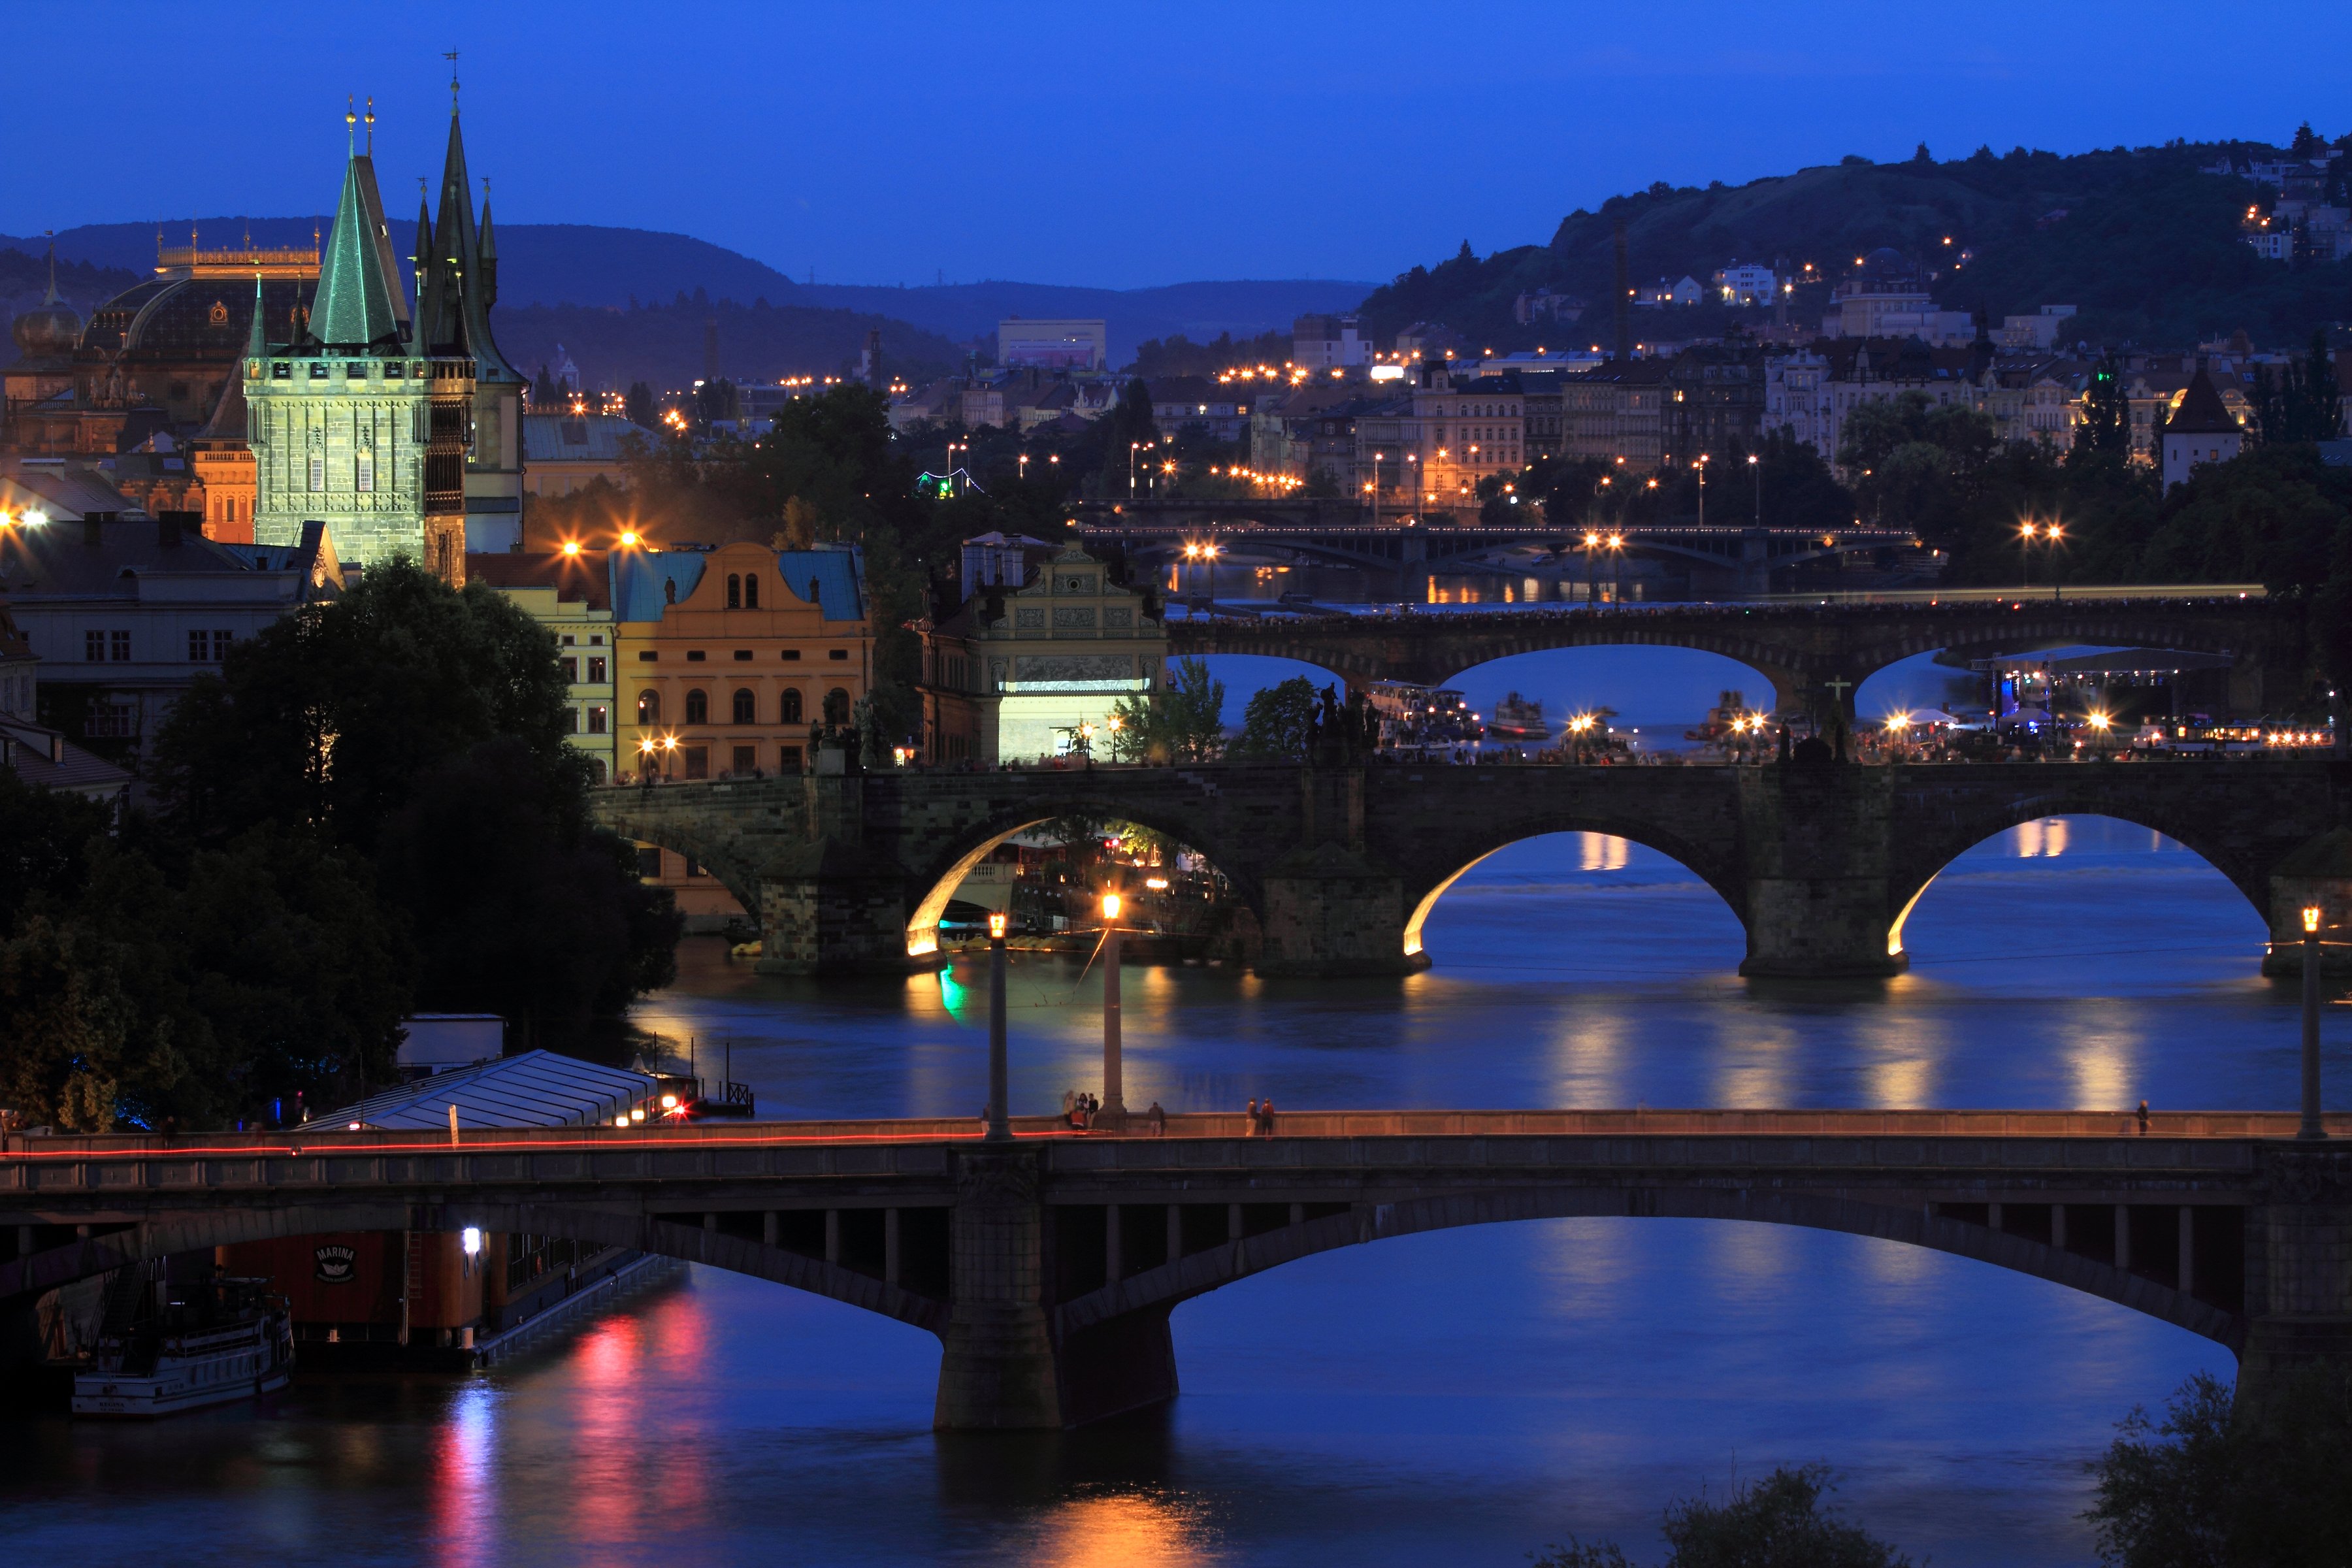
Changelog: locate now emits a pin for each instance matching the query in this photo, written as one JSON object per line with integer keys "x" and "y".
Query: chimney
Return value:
{"x": 57, "y": 745}
{"x": 1624, "y": 315}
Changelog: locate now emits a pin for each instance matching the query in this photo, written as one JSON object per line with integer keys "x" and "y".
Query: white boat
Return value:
{"x": 159, "y": 1357}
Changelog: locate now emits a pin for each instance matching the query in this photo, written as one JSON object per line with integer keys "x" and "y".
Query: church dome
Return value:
{"x": 1884, "y": 262}
{"x": 48, "y": 330}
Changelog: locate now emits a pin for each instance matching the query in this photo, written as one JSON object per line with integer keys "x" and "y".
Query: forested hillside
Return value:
{"x": 2143, "y": 242}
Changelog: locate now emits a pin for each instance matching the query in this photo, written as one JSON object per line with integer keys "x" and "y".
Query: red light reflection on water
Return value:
{"x": 622, "y": 1386}
{"x": 464, "y": 1504}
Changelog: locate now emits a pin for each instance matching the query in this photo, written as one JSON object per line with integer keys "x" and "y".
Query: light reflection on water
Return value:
{"x": 1458, "y": 1396}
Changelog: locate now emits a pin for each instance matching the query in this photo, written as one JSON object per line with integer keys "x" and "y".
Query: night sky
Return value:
{"x": 1108, "y": 143}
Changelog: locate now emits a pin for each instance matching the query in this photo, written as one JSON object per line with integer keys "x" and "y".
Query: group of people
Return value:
{"x": 1261, "y": 1118}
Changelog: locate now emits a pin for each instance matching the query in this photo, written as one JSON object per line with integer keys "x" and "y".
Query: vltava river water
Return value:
{"x": 1461, "y": 1397}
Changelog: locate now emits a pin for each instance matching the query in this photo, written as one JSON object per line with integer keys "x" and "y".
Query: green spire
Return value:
{"x": 257, "y": 338}
{"x": 360, "y": 304}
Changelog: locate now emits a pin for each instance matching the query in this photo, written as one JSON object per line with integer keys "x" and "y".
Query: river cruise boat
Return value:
{"x": 1518, "y": 717}
{"x": 157, "y": 1356}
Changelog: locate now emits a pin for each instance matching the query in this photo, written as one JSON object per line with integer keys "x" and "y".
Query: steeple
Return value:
{"x": 489, "y": 257}
{"x": 453, "y": 298}
{"x": 360, "y": 304}
{"x": 256, "y": 337}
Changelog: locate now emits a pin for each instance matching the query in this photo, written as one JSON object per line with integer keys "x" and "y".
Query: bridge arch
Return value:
{"x": 1161, "y": 1289}
{"x": 1919, "y": 862}
{"x": 204, "y": 1229}
{"x": 1057, "y": 798}
{"x": 1588, "y": 669}
{"x": 1423, "y": 892}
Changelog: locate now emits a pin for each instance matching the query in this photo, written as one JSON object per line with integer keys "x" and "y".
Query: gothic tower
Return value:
{"x": 456, "y": 283}
{"x": 353, "y": 421}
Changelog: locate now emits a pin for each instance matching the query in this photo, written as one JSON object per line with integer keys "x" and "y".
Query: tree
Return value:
{"x": 2215, "y": 1486}
{"x": 641, "y": 407}
{"x": 2106, "y": 412}
{"x": 1777, "y": 1523}
{"x": 1183, "y": 721}
{"x": 1278, "y": 722}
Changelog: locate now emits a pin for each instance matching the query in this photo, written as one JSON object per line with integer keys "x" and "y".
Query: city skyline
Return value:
{"x": 1299, "y": 150}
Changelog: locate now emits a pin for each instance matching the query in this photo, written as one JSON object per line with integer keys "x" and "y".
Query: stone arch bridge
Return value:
{"x": 1048, "y": 1267}
{"x": 1339, "y": 868}
{"x": 1815, "y": 656}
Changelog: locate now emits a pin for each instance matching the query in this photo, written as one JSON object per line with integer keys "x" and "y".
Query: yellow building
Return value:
{"x": 730, "y": 660}
{"x": 569, "y": 593}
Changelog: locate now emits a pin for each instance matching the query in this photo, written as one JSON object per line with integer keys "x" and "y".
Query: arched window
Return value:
{"x": 751, "y": 590}
{"x": 734, "y": 592}
{"x": 698, "y": 707}
{"x": 790, "y": 712}
{"x": 746, "y": 711}
{"x": 649, "y": 705}
{"x": 837, "y": 706}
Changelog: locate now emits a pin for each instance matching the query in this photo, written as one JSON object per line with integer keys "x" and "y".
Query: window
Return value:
{"x": 596, "y": 676}
{"x": 365, "y": 476}
{"x": 110, "y": 721}
{"x": 119, "y": 644}
{"x": 746, "y": 711}
{"x": 791, "y": 655}
{"x": 747, "y": 759}
{"x": 751, "y": 590}
{"x": 790, "y": 713}
{"x": 596, "y": 639}
{"x": 649, "y": 707}
{"x": 648, "y": 861}
{"x": 698, "y": 707}
{"x": 788, "y": 759}
{"x": 734, "y": 590}
{"x": 647, "y": 656}
{"x": 94, "y": 647}
{"x": 597, "y": 716}
{"x": 568, "y": 640}
{"x": 570, "y": 670}
{"x": 200, "y": 647}
{"x": 697, "y": 766}
{"x": 318, "y": 470}
{"x": 742, "y": 655}
{"x": 841, "y": 654}
{"x": 837, "y": 706}
{"x": 696, "y": 656}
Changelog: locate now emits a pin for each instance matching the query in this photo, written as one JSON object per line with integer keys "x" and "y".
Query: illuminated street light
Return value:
{"x": 1114, "y": 1097}
{"x": 1000, "y": 1121}
{"x": 2312, "y": 1128}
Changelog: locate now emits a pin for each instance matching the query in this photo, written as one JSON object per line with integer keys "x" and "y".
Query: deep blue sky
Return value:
{"x": 1108, "y": 144}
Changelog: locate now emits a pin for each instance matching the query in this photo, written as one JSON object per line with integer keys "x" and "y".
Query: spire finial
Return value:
{"x": 350, "y": 118}
{"x": 451, "y": 56}
{"x": 370, "y": 118}
{"x": 53, "y": 268}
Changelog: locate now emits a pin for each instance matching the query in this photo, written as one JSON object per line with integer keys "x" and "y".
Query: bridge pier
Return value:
{"x": 1819, "y": 888}
{"x": 2298, "y": 1270}
{"x": 1003, "y": 1367}
{"x": 1330, "y": 910}
{"x": 831, "y": 908}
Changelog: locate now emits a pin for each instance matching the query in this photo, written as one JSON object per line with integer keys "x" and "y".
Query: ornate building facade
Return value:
{"x": 352, "y": 419}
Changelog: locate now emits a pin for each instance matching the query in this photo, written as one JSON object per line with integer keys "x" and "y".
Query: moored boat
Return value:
{"x": 1518, "y": 717}
{"x": 158, "y": 1356}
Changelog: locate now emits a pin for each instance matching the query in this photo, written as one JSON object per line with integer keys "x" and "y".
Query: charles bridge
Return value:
{"x": 1335, "y": 868}
{"x": 1049, "y": 1267}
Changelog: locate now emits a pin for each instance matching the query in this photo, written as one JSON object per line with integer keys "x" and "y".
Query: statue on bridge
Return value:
{"x": 1343, "y": 737}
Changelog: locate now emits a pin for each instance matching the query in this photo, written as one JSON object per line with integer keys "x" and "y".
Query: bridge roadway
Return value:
{"x": 1048, "y": 1267}
{"x": 1335, "y": 869}
{"x": 1815, "y": 656}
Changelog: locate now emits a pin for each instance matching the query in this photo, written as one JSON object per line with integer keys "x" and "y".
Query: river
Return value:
{"x": 1463, "y": 1398}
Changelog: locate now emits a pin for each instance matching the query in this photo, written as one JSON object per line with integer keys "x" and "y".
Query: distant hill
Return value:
{"x": 591, "y": 264}
{"x": 662, "y": 344}
{"x": 25, "y": 283}
{"x": 1131, "y": 316}
{"x": 2140, "y": 240}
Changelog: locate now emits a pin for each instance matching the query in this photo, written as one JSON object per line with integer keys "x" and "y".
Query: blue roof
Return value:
{"x": 638, "y": 576}
{"x": 839, "y": 574}
{"x": 537, "y": 1088}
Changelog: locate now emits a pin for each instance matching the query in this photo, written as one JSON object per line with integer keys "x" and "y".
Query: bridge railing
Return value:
{"x": 24, "y": 1148}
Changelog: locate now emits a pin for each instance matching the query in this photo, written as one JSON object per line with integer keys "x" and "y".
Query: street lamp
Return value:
{"x": 1617, "y": 551}
{"x": 1756, "y": 467}
{"x": 2312, "y": 1127}
{"x": 1000, "y": 1123}
{"x": 1114, "y": 1091}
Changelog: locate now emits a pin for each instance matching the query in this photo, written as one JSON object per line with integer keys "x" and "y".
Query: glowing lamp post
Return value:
{"x": 2312, "y": 1127}
{"x": 1114, "y": 1097}
{"x": 1000, "y": 1123}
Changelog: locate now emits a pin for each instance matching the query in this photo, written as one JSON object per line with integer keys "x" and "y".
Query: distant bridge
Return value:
{"x": 1048, "y": 1268}
{"x": 1345, "y": 533}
